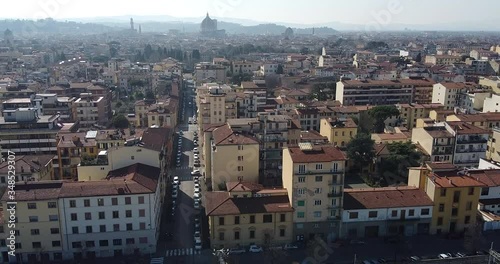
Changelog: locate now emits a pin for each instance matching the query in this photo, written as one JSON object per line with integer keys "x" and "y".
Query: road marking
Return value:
{"x": 181, "y": 252}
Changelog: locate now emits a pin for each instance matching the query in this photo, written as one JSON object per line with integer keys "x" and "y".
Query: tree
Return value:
{"x": 196, "y": 55}
{"x": 150, "y": 95}
{"x": 280, "y": 69}
{"x": 118, "y": 104}
{"x": 304, "y": 50}
{"x": 120, "y": 121}
{"x": 402, "y": 155}
{"x": 419, "y": 58}
{"x": 360, "y": 150}
{"x": 139, "y": 95}
{"x": 380, "y": 113}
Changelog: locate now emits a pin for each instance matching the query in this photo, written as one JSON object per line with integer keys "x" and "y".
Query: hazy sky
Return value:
{"x": 291, "y": 11}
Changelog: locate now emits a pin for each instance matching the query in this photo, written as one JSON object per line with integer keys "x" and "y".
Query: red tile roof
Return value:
{"x": 224, "y": 135}
{"x": 319, "y": 153}
{"x": 36, "y": 191}
{"x": 391, "y": 197}
{"x": 220, "y": 203}
{"x": 453, "y": 179}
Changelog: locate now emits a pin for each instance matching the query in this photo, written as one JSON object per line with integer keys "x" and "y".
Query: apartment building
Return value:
{"x": 53, "y": 104}
{"x": 90, "y": 111}
{"x": 216, "y": 104}
{"x": 389, "y": 211}
{"x": 38, "y": 230}
{"x": 28, "y": 168}
{"x": 314, "y": 178}
{"x": 409, "y": 113}
{"x": 470, "y": 143}
{"x": 489, "y": 199}
{"x": 483, "y": 120}
{"x": 372, "y": 92}
{"x": 71, "y": 149}
{"x": 339, "y": 131}
{"x": 493, "y": 145}
{"x": 162, "y": 113}
{"x": 455, "y": 195}
{"x": 26, "y": 132}
{"x": 113, "y": 217}
{"x": 442, "y": 59}
{"x": 244, "y": 67}
{"x": 204, "y": 72}
{"x": 451, "y": 94}
{"x": 436, "y": 141}
{"x": 249, "y": 214}
{"x": 234, "y": 157}
{"x": 491, "y": 104}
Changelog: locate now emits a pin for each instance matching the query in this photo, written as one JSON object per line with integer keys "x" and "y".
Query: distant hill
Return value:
{"x": 50, "y": 26}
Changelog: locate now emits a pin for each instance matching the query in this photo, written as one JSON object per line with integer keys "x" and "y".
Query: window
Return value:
{"x": 54, "y": 230}
{"x": 252, "y": 234}
{"x": 86, "y": 203}
{"x": 300, "y": 214}
{"x": 240, "y": 147}
{"x": 142, "y": 226}
{"x": 130, "y": 241}
{"x": 319, "y": 178}
{"x": 52, "y": 205}
{"x": 102, "y": 215}
{"x": 36, "y": 244}
{"x": 35, "y": 232}
{"x": 221, "y": 221}
{"x": 317, "y": 214}
{"x": 467, "y": 219}
{"x": 236, "y": 220}
{"x": 88, "y": 216}
{"x": 236, "y": 235}
{"x": 372, "y": 214}
{"x": 319, "y": 166}
{"x": 468, "y": 206}
{"x": 411, "y": 212}
{"x": 128, "y": 200}
{"x": 485, "y": 191}
{"x": 116, "y": 227}
{"x": 90, "y": 244}
{"x": 240, "y": 158}
{"x": 301, "y": 203}
{"x": 471, "y": 190}
{"x": 317, "y": 190}
{"x": 103, "y": 243}
{"x": 440, "y": 221}
{"x": 114, "y": 201}
{"x": 100, "y": 202}
{"x": 116, "y": 214}
{"x": 74, "y": 217}
{"x": 424, "y": 211}
{"x": 454, "y": 211}
{"x": 88, "y": 229}
{"x": 282, "y": 217}
{"x": 302, "y": 168}
{"x": 317, "y": 202}
{"x": 53, "y": 218}
{"x": 76, "y": 244}
{"x": 456, "y": 196}
{"x": 117, "y": 242}
{"x": 56, "y": 243}
{"x": 75, "y": 230}
{"x": 302, "y": 179}
{"x": 282, "y": 232}
{"x": 252, "y": 219}
{"x": 441, "y": 207}
{"x": 128, "y": 213}
{"x": 33, "y": 218}
{"x": 353, "y": 215}
{"x": 221, "y": 236}
{"x": 142, "y": 213}
{"x": 72, "y": 203}
{"x": 267, "y": 218}
{"x": 394, "y": 213}
{"x": 443, "y": 192}
{"x": 132, "y": 157}
{"x": 143, "y": 240}
{"x": 129, "y": 227}
{"x": 141, "y": 199}
{"x": 240, "y": 168}
{"x": 102, "y": 228}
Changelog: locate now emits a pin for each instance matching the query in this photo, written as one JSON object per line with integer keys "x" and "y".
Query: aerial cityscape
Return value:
{"x": 237, "y": 132}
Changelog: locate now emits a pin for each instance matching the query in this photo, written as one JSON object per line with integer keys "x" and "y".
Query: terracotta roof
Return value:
{"x": 36, "y": 191}
{"x": 312, "y": 135}
{"x": 342, "y": 123}
{"x": 390, "y": 197}
{"x": 437, "y": 166}
{"x": 134, "y": 179}
{"x": 438, "y": 132}
{"x": 224, "y": 135}
{"x": 452, "y": 179}
{"x": 490, "y": 178}
{"x": 455, "y": 85}
{"x": 156, "y": 138}
{"x": 243, "y": 187}
{"x": 28, "y": 164}
{"x": 220, "y": 203}
{"x": 381, "y": 149}
{"x": 480, "y": 117}
{"x": 211, "y": 127}
{"x": 319, "y": 153}
{"x": 465, "y": 128}
{"x": 71, "y": 140}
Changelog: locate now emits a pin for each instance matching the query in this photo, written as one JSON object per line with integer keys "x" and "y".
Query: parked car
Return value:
{"x": 460, "y": 255}
{"x": 197, "y": 223}
{"x": 381, "y": 260}
{"x": 176, "y": 180}
{"x": 197, "y": 195}
{"x": 197, "y": 235}
{"x": 196, "y": 156}
{"x": 195, "y": 133}
{"x": 174, "y": 193}
{"x": 196, "y": 205}
{"x": 196, "y": 180}
{"x": 255, "y": 249}
{"x": 197, "y": 245}
{"x": 196, "y": 185}
{"x": 290, "y": 246}
{"x": 414, "y": 258}
{"x": 195, "y": 151}
{"x": 195, "y": 172}
{"x": 444, "y": 256}
{"x": 234, "y": 251}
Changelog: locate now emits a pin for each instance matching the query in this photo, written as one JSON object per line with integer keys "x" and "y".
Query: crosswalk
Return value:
{"x": 182, "y": 252}
{"x": 183, "y": 168}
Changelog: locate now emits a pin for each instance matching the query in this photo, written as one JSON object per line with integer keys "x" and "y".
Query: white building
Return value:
{"x": 450, "y": 94}
{"x": 489, "y": 200}
{"x": 492, "y": 104}
{"x": 386, "y": 211}
{"x": 114, "y": 217}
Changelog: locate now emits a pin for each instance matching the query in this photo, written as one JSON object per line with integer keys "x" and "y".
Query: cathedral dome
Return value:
{"x": 208, "y": 24}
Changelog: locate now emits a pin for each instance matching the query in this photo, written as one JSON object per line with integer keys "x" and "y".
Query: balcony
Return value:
{"x": 466, "y": 161}
{"x": 472, "y": 140}
{"x": 335, "y": 194}
{"x": 333, "y": 218}
{"x": 470, "y": 150}
{"x": 334, "y": 206}
{"x": 336, "y": 182}
{"x": 316, "y": 172}
{"x": 437, "y": 151}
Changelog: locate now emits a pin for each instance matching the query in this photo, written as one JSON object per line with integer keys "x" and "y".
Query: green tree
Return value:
{"x": 418, "y": 58}
{"x": 280, "y": 69}
{"x": 118, "y": 104}
{"x": 139, "y": 95}
{"x": 150, "y": 95}
{"x": 360, "y": 150}
{"x": 120, "y": 121}
{"x": 380, "y": 113}
{"x": 196, "y": 55}
{"x": 402, "y": 155}
{"x": 304, "y": 50}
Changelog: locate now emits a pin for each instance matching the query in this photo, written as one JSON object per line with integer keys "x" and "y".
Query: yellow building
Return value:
{"x": 248, "y": 214}
{"x": 483, "y": 120}
{"x": 493, "y": 148}
{"x": 455, "y": 195}
{"x": 388, "y": 138}
{"x": 234, "y": 157}
{"x": 160, "y": 113}
{"x": 38, "y": 231}
{"x": 339, "y": 131}
{"x": 436, "y": 141}
{"x": 409, "y": 113}
{"x": 72, "y": 147}
{"x": 314, "y": 178}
